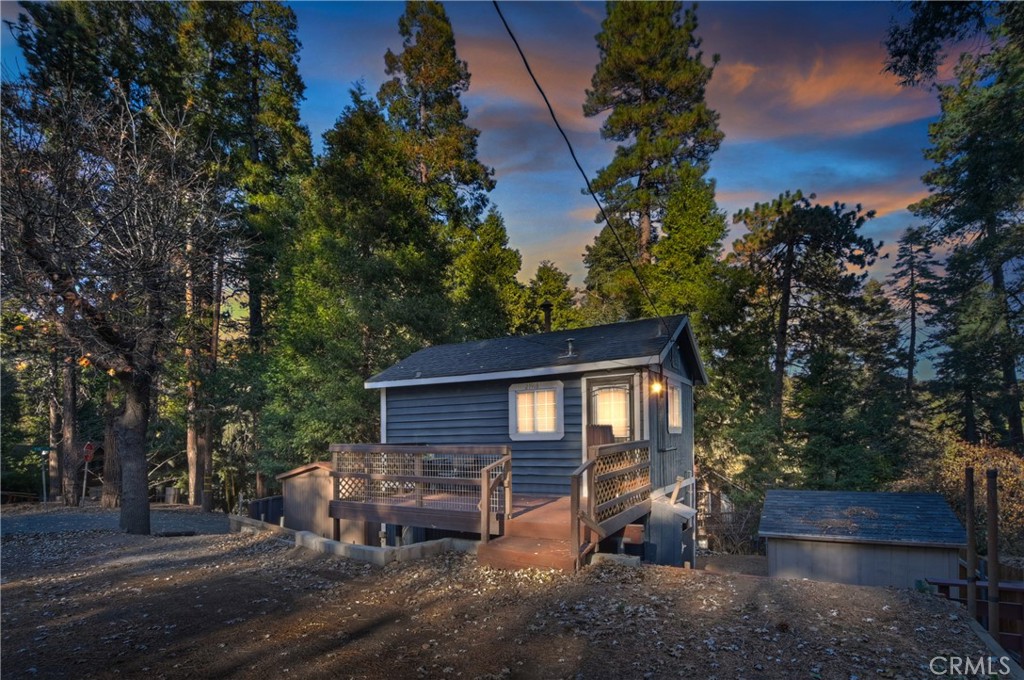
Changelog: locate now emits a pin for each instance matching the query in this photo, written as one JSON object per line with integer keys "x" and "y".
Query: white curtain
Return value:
{"x": 611, "y": 407}
{"x": 535, "y": 411}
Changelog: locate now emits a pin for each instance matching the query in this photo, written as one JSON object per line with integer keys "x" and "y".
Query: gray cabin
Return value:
{"x": 546, "y": 399}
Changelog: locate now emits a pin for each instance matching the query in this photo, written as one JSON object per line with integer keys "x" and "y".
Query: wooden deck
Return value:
{"x": 435, "y": 510}
{"x": 469, "y": 489}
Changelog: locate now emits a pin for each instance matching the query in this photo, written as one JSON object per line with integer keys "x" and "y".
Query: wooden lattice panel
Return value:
{"x": 624, "y": 503}
{"x": 609, "y": 462}
{"x": 623, "y": 490}
{"x": 351, "y": 488}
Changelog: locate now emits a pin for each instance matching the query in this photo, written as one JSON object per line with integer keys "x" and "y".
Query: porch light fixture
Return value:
{"x": 657, "y": 387}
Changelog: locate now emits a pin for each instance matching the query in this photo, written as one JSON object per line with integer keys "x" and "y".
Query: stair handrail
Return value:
{"x": 580, "y": 513}
{"x": 487, "y": 486}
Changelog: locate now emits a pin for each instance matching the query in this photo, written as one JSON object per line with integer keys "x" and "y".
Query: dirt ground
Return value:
{"x": 96, "y": 603}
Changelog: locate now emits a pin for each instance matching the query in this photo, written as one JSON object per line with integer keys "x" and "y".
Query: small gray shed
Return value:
{"x": 861, "y": 538}
{"x": 308, "y": 491}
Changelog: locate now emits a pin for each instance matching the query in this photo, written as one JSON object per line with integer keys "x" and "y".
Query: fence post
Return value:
{"x": 485, "y": 507}
{"x": 972, "y": 540}
{"x": 993, "y": 554}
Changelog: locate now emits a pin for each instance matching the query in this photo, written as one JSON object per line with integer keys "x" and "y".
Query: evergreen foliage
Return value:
{"x": 361, "y": 290}
{"x": 422, "y": 101}
{"x": 651, "y": 81}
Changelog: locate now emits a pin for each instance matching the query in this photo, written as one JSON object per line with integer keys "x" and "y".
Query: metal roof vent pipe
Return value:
{"x": 546, "y": 307}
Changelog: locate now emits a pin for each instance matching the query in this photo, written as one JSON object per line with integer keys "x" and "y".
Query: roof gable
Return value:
{"x": 630, "y": 343}
{"x": 861, "y": 517}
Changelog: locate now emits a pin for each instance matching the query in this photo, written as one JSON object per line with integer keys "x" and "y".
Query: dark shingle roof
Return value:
{"x": 612, "y": 342}
{"x": 857, "y": 516}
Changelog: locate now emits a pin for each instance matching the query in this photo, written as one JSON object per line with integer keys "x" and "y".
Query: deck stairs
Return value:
{"x": 539, "y": 537}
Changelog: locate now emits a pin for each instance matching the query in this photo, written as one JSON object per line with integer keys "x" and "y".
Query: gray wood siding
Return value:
{"x": 477, "y": 413}
{"x": 671, "y": 457}
{"x": 862, "y": 564}
{"x": 673, "y": 452}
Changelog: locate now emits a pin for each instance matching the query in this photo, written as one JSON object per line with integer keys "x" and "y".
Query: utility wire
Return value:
{"x": 572, "y": 152}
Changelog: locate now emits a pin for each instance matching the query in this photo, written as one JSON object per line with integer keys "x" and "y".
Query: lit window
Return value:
{"x": 675, "y": 408}
{"x": 610, "y": 406}
{"x": 535, "y": 411}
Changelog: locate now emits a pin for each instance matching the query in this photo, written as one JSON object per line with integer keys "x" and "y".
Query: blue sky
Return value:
{"x": 799, "y": 88}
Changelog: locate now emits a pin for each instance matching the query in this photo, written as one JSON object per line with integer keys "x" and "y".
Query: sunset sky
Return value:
{"x": 800, "y": 90}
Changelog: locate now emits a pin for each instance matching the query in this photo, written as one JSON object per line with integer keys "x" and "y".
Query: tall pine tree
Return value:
{"x": 651, "y": 82}
{"x": 422, "y": 99}
{"x": 361, "y": 289}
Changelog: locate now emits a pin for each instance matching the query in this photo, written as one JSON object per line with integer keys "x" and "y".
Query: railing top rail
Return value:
{"x": 423, "y": 448}
{"x": 501, "y": 461}
{"x": 610, "y": 449}
{"x": 397, "y": 477}
{"x": 582, "y": 468}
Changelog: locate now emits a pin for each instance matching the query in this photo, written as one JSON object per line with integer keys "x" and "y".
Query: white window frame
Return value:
{"x": 674, "y": 385}
{"x": 513, "y": 413}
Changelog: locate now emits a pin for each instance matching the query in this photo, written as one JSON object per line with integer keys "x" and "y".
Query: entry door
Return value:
{"x": 610, "y": 402}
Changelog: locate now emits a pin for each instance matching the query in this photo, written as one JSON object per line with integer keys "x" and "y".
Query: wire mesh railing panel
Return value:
{"x": 434, "y": 478}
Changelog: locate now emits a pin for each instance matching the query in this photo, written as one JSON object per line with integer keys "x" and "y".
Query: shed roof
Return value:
{"x": 628, "y": 343}
{"x": 303, "y": 469}
{"x": 923, "y": 519}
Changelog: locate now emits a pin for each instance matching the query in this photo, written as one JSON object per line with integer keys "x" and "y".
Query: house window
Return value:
{"x": 536, "y": 411}
{"x": 611, "y": 403}
{"x": 675, "y": 408}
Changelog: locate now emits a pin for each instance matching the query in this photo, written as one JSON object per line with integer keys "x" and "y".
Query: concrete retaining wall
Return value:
{"x": 370, "y": 554}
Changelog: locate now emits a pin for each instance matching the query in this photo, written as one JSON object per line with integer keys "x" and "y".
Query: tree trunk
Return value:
{"x": 970, "y": 419}
{"x": 1008, "y": 364}
{"x": 192, "y": 454}
{"x": 56, "y": 491}
{"x": 782, "y": 332}
{"x": 69, "y": 454}
{"x": 912, "y": 349}
{"x": 208, "y": 421}
{"x": 132, "y": 423}
{"x": 645, "y": 237}
{"x": 192, "y": 450}
{"x": 111, "y": 462}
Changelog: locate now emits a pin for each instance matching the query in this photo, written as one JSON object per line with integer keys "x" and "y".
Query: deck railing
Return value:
{"x": 617, "y": 481}
{"x": 464, "y": 488}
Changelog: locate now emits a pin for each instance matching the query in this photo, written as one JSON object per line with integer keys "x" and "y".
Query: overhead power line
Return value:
{"x": 579, "y": 166}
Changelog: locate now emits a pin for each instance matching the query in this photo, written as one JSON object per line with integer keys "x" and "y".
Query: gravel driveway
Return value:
{"x": 31, "y": 519}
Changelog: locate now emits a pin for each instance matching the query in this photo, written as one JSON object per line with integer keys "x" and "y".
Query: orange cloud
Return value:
{"x": 497, "y": 70}
{"x": 839, "y": 92}
{"x": 842, "y": 76}
{"x": 738, "y": 76}
{"x": 884, "y": 200}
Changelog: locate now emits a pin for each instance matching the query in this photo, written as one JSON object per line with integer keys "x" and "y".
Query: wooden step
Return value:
{"x": 550, "y": 520}
{"x": 520, "y": 552}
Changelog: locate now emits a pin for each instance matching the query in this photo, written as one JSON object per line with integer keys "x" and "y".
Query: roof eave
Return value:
{"x": 684, "y": 326}
{"x": 537, "y": 372}
{"x": 857, "y": 539}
